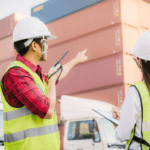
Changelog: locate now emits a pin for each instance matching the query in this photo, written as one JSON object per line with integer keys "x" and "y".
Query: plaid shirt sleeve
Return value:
{"x": 20, "y": 85}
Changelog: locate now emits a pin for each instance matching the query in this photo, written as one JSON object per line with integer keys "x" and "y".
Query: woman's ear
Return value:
{"x": 140, "y": 62}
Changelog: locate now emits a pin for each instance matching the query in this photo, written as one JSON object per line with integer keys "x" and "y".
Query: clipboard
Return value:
{"x": 107, "y": 115}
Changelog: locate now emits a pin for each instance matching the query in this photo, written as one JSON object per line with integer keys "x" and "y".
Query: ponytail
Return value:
{"x": 146, "y": 72}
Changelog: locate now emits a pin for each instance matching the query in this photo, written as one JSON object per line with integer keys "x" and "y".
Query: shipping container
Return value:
{"x": 7, "y": 48}
{"x": 103, "y": 43}
{"x": 116, "y": 69}
{"x": 113, "y": 94}
{"x": 55, "y": 9}
{"x": 7, "y": 24}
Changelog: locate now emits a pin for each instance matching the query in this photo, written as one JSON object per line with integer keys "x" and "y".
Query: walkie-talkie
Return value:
{"x": 61, "y": 67}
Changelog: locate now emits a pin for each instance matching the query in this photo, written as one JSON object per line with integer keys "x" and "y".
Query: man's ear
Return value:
{"x": 34, "y": 45}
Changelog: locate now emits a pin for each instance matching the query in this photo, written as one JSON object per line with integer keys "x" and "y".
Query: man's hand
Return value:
{"x": 80, "y": 58}
{"x": 55, "y": 76}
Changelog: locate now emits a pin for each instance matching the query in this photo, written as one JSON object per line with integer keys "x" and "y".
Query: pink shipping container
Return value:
{"x": 6, "y": 48}
{"x": 100, "y": 16}
{"x": 111, "y": 94}
{"x": 109, "y": 41}
{"x": 4, "y": 65}
{"x": 104, "y": 72}
{"x": 7, "y": 24}
{"x": 144, "y": 14}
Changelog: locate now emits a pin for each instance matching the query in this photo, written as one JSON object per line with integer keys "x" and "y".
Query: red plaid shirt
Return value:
{"x": 19, "y": 89}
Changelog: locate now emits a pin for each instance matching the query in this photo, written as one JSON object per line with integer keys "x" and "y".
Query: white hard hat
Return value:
{"x": 30, "y": 28}
{"x": 142, "y": 46}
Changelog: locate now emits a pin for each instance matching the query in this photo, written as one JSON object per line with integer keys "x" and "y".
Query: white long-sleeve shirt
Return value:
{"x": 130, "y": 115}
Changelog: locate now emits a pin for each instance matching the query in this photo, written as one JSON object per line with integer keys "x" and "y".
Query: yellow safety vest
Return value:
{"x": 24, "y": 130}
{"x": 145, "y": 115}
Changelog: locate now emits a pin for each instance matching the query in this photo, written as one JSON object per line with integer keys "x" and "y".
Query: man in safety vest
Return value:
{"x": 29, "y": 98}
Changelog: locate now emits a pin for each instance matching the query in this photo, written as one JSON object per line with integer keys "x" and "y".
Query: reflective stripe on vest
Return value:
{"x": 30, "y": 133}
{"x": 16, "y": 114}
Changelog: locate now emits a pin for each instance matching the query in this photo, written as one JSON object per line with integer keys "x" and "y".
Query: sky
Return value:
{"x": 8, "y": 7}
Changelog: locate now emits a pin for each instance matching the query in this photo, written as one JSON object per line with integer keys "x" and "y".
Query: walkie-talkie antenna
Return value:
{"x": 56, "y": 65}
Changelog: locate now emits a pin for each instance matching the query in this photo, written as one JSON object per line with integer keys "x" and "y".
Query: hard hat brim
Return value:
{"x": 51, "y": 37}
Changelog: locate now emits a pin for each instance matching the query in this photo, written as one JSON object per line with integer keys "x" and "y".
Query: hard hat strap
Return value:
{"x": 43, "y": 48}
{"x": 24, "y": 45}
{"x": 28, "y": 42}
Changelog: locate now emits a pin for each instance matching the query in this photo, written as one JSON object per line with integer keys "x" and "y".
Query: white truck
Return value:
{"x": 84, "y": 128}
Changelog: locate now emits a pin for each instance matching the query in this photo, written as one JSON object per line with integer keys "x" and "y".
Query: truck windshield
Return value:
{"x": 109, "y": 131}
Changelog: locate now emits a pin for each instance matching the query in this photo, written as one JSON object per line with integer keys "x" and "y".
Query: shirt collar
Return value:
{"x": 28, "y": 63}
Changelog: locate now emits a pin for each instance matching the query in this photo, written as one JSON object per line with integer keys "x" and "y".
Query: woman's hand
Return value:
{"x": 116, "y": 112}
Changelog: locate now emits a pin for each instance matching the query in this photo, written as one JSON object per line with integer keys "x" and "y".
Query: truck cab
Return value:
{"x": 84, "y": 129}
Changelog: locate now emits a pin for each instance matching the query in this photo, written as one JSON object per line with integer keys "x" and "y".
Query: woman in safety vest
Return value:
{"x": 29, "y": 98}
{"x": 134, "y": 116}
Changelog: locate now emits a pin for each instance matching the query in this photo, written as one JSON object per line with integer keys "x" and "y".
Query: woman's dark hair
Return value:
{"x": 146, "y": 72}
{"x": 22, "y": 52}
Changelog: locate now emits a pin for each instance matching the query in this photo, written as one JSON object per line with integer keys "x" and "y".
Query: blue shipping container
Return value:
{"x": 55, "y": 9}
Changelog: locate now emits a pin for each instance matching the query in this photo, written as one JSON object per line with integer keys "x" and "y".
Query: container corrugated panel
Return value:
{"x": 129, "y": 12}
{"x": 135, "y": 13}
{"x": 55, "y": 9}
{"x": 129, "y": 36}
{"x": 132, "y": 73}
{"x": 7, "y": 24}
{"x": 111, "y": 94}
{"x": 6, "y": 48}
{"x": 4, "y": 65}
{"x": 104, "y": 72}
{"x": 144, "y": 14}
